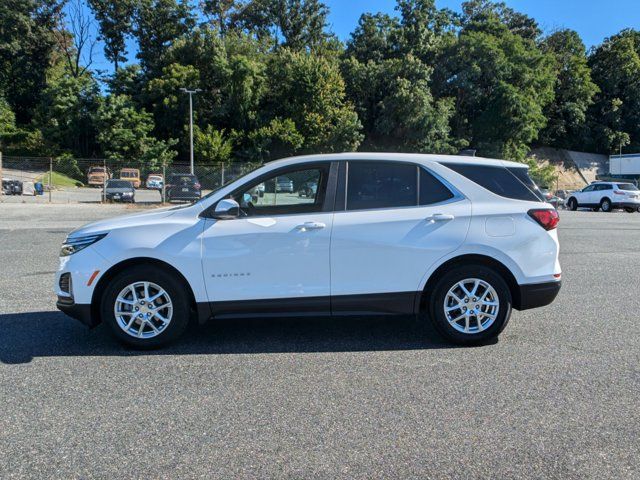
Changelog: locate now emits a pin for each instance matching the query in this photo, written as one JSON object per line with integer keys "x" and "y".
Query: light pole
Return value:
{"x": 191, "y": 92}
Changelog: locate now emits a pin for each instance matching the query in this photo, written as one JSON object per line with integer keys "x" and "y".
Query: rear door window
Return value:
{"x": 507, "y": 182}
{"x": 381, "y": 185}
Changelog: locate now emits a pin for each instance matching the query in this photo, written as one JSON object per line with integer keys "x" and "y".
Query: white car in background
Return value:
{"x": 606, "y": 196}
{"x": 459, "y": 240}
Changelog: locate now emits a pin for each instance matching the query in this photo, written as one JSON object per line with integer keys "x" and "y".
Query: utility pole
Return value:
{"x": 190, "y": 92}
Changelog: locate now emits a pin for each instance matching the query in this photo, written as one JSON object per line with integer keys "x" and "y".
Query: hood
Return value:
{"x": 136, "y": 219}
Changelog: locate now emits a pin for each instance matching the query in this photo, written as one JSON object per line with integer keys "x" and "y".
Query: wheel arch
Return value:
{"x": 477, "y": 259}
{"x": 133, "y": 262}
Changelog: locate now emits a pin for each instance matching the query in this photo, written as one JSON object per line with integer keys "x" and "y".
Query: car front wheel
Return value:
{"x": 145, "y": 307}
{"x": 470, "y": 304}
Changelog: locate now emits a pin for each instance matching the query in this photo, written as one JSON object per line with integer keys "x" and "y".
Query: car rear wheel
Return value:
{"x": 470, "y": 304}
{"x": 605, "y": 205}
{"x": 572, "y": 204}
{"x": 145, "y": 307}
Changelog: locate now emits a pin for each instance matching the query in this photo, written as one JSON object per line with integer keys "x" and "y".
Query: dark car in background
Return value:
{"x": 183, "y": 187}
{"x": 120, "y": 191}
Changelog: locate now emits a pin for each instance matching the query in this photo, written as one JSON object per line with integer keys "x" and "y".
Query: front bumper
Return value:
{"x": 537, "y": 295}
{"x": 78, "y": 311}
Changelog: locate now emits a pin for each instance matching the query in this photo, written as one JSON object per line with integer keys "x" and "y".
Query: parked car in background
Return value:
{"x": 458, "y": 241}
{"x": 11, "y": 186}
{"x": 155, "y": 181}
{"x": 131, "y": 175}
{"x": 554, "y": 200}
{"x": 183, "y": 187}
{"x": 97, "y": 176}
{"x": 284, "y": 184}
{"x": 120, "y": 191}
{"x": 606, "y": 196}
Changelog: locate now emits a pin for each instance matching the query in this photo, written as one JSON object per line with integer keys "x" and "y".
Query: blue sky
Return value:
{"x": 594, "y": 20}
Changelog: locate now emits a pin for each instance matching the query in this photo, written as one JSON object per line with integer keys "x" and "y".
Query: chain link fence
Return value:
{"x": 96, "y": 180}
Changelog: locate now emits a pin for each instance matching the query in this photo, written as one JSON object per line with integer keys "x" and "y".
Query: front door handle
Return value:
{"x": 440, "y": 217}
{"x": 306, "y": 226}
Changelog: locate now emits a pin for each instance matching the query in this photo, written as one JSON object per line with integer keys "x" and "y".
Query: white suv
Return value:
{"x": 606, "y": 196}
{"x": 462, "y": 240}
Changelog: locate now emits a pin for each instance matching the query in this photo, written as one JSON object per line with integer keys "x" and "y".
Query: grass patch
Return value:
{"x": 59, "y": 180}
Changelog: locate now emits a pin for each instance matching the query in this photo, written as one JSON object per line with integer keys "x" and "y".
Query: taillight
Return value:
{"x": 547, "y": 219}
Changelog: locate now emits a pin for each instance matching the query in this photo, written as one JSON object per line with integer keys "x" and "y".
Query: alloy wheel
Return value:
{"x": 143, "y": 310}
{"x": 471, "y": 306}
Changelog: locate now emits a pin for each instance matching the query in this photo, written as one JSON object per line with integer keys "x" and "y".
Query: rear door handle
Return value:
{"x": 440, "y": 217}
{"x": 311, "y": 226}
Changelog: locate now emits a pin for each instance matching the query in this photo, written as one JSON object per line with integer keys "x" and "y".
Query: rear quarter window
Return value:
{"x": 507, "y": 182}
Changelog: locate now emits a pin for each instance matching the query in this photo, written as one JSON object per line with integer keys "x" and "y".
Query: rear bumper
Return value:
{"x": 78, "y": 311}
{"x": 537, "y": 295}
{"x": 626, "y": 204}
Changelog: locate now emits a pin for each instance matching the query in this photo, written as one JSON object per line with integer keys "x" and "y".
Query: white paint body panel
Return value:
{"x": 267, "y": 257}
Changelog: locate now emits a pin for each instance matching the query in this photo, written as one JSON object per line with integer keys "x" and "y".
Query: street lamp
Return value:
{"x": 191, "y": 92}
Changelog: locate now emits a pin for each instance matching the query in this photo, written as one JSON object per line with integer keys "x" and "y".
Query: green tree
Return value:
{"x": 277, "y": 139}
{"x": 296, "y": 24}
{"x": 615, "y": 116}
{"x": 220, "y": 13}
{"x": 158, "y": 23}
{"x": 211, "y": 145}
{"x": 310, "y": 91}
{"x": 574, "y": 91}
{"x": 168, "y": 103}
{"x": 493, "y": 17}
{"x": 125, "y": 135}
{"x": 424, "y": 28}
{"x": 66, "y": 111}
{"x": 27, "y": 44}
{"x": 502, "y": 82}
{"x": 375, "y": 38}
{"x": 394, "y": 101}
{"x": 115, "y": 18}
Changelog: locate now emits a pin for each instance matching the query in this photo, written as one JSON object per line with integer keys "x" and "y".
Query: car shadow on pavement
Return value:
{"x": 24, "y": 336}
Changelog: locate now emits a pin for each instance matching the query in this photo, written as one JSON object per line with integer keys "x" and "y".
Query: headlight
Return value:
{"x": 74, "y": 245}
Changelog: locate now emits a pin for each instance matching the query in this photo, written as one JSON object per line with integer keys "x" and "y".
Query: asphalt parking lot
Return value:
{"x": 555, "y": 397}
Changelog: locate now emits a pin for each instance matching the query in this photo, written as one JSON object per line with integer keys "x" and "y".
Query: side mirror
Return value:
{"x": 226, "y": 209}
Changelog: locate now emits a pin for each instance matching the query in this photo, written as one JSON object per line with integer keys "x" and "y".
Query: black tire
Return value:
{"x": 572, "y": 204}
{"x": 179, "y": 299}
{"x": 447, "y": 281}
{"x": 605, "y": 205}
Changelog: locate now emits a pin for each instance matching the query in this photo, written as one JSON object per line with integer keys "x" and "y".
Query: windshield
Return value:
{"x": 119, "y": 184}
{"x": 630, "y": 187}
{"x": 96, "y": 170}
